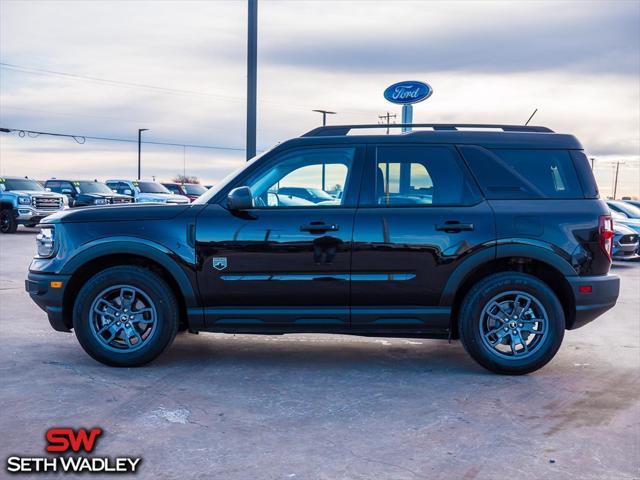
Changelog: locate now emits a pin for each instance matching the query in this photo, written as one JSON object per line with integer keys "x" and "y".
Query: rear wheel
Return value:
{"x": 125, "y": 316}
{"x": 511, "y": 323}
{"x": 8, "y": 223}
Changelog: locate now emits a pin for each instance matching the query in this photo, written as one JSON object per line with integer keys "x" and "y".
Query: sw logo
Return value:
{"x": 65, "y": 441}
{"x": 219, "y": 263}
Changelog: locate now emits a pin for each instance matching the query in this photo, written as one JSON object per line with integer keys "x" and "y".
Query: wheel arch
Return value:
{"x": 160, "y": 260}
{"x": 542, "y": 266}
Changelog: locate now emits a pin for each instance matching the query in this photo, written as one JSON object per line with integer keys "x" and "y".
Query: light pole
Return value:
{"x": 252, "y": 82}
{"x": 324, "y": 115}
{"x": 140, "y": 130}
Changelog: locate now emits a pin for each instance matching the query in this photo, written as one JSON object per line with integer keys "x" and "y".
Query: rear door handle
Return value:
{"x": 319, "y": 227}
{"x": 454, "y": 226}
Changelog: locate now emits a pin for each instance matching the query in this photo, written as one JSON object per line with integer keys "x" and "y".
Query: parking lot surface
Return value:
{"x": 326, "y": 406}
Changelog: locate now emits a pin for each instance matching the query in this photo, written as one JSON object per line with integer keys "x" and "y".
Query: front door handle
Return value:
{"x": 453, "y": 226}
{"x": 319, "y": 227}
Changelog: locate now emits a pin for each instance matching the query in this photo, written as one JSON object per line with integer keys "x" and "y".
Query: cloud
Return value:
{"x": 487, "y": 61}
{"x": 508, "y": 37}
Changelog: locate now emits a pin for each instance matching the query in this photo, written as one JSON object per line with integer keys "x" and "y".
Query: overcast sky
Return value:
{"x": 107, "y": 68}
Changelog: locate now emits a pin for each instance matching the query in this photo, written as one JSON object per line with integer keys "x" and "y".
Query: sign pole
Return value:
{"x": 407, "y": 116}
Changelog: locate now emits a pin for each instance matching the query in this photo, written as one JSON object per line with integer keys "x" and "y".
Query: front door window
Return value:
{"x": 314, "y": 177}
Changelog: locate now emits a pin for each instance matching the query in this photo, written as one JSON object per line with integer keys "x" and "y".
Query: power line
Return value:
{"x": 156, "y": 88}
{"x": 81, "y": 139}
{"x": 106, "y": 81}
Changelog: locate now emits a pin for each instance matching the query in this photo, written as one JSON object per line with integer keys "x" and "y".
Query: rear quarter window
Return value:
{"x": 523, "y": 174}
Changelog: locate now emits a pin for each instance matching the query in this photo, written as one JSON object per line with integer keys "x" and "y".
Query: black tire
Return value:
{"x": 8, "y": 222}
{"x": 150, "y": 287}
{"x": 502, "y": 358}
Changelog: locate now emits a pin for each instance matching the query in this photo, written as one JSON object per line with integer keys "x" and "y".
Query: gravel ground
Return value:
{"x": 326, "y": 406}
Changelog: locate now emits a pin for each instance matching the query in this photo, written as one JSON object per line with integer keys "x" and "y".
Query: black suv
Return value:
{"x": 492, "y": 234}
{"x": 83, "y": 193}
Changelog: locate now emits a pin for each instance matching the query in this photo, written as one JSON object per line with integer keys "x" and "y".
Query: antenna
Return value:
{"x": 534, "y": 112}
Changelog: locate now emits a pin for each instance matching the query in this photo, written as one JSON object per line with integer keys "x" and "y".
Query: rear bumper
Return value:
{"x": 589, "y": 306}
{"x": 49, "y": 299}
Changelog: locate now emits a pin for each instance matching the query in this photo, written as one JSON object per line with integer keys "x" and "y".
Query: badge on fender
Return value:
{"x": 219, "y": 263}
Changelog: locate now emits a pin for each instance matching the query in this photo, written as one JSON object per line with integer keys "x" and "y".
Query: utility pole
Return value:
{"x": 252, "y": 82}
{"x": 324, "y": 115}
{"x": 140, "y": 130}
{"x": 324, "y": 166}
{"x": 387, "y": 117}
{"x": 615, "y": 183}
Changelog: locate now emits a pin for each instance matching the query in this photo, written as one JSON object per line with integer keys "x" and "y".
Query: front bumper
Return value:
{"x": 28, "y": 214}
{"x": 590, "y": 305}
{"x": 49, "y": 299}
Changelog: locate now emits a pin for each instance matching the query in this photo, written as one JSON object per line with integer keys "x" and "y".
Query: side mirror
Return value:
{"x": 2, "y": 187}
{"x": 66, "y": 191}
{"x": 127, "y": 191}
{"x": 240, "y": 199}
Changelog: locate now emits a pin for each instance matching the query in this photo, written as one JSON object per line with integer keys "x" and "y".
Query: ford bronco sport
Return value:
{"x": 492, "y": 234}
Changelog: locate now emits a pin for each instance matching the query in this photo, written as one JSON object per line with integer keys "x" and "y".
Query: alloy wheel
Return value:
{"x": 123, "y": 318}
{"x": 513, "y": 325}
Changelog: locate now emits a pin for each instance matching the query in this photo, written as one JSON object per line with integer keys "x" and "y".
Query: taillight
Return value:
{"x": 605, "y": 231}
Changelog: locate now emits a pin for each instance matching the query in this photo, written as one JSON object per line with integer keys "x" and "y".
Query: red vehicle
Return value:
{"x": 189, "y": 190}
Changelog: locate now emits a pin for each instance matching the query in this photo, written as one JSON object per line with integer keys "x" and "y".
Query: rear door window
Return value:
{"x": 410, "y": 175}
{"x": 526, "y": 174}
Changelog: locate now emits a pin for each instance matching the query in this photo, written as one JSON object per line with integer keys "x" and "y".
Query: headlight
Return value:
{"x": 100, "y": 201}
{"x": 46, "y": 243}
{"x": 24, "y": 200}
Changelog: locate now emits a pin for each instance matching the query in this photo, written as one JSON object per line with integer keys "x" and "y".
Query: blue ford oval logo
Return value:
{"x": 408, "y": 92}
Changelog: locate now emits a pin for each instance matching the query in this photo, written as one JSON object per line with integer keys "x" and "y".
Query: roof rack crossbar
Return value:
{"x": 341, "y": 130}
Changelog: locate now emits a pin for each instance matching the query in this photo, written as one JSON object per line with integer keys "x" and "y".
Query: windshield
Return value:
{"x": 21, "y": 184}
{"x": 629, "y": 210}
{"x": 151, "y": 187}
{"x": 92, "y": 187}
{"x": 193, "y": 189}
{"x": 213, "y": 191}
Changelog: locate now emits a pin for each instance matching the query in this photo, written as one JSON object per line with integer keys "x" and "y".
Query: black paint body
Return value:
{"x": 380, "y": 271}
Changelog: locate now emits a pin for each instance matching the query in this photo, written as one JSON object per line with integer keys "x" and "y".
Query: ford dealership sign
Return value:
{"x": 406, "y": 93}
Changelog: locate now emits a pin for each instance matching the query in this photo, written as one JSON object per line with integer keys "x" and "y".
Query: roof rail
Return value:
{"x": 341, "y": 130}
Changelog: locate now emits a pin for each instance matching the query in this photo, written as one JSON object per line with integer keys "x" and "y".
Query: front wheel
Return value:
{"x": 511, "y": 323}
{"x": 125, "y": 316}
{"x": 8, "y": 223}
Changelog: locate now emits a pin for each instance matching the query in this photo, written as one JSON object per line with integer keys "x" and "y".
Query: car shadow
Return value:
{"x": 319, "y": 352}
{"x": 626, "y": 265}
